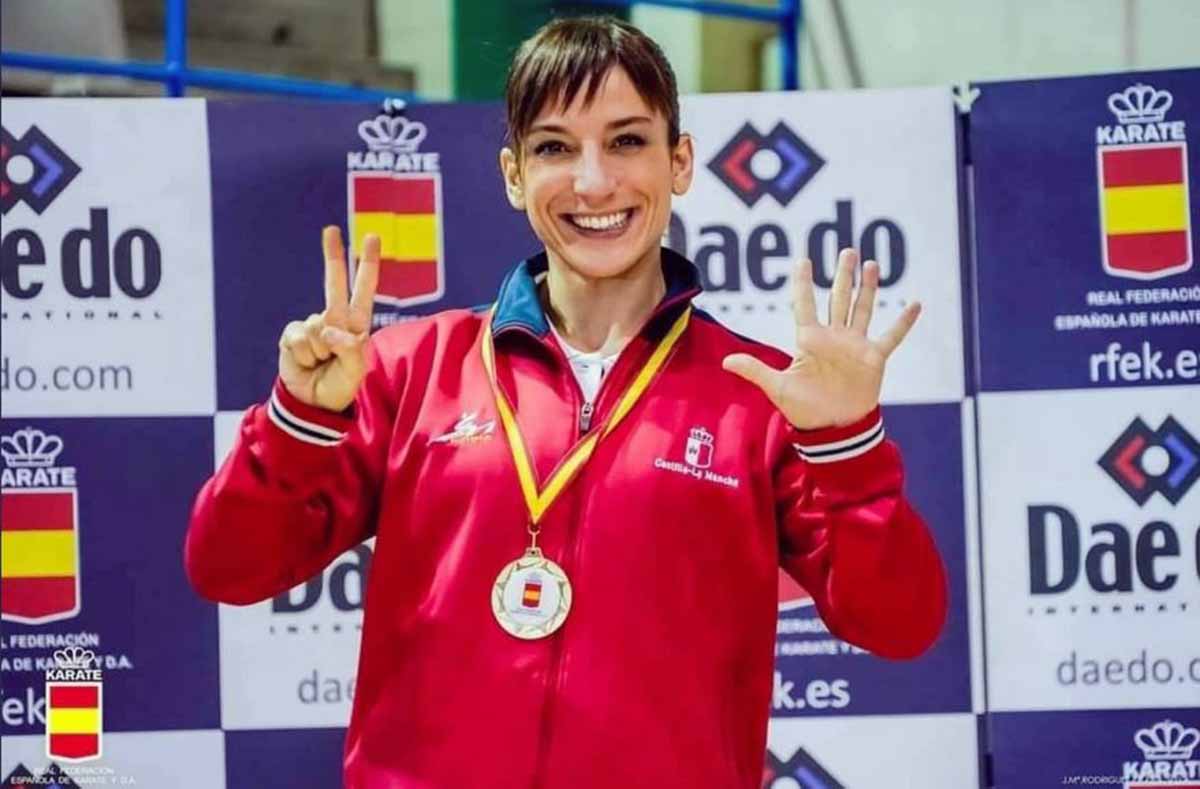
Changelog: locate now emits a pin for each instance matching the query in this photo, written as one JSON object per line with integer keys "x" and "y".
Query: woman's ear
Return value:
{"x": 682, "y": 161}
{"x": 510, "y": 168}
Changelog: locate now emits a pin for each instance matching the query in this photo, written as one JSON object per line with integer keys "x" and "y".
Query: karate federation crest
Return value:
{"x": 74, "y": 709}
{"x": 39, "y": 530}
{"x": 395, "y": 191}
{"x": 1142, "y": 163}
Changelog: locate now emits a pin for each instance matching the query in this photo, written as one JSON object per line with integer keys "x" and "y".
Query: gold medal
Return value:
{"x": 532, "y": 596}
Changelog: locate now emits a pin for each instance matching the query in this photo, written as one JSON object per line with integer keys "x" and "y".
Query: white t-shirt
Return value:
{"x": 589, "y": 368}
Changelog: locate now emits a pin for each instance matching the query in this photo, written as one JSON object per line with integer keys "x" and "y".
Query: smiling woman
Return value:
{"x": 595, "y": 155}
{"x": 583, "y": 494}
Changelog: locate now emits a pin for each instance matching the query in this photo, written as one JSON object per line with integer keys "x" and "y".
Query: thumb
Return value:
{"x": 756, "y": 372}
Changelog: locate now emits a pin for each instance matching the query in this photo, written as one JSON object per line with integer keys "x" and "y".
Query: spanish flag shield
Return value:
{"x": 74, "y": 720}
{"x": 39, "y": 555}
{"x": 1144, "y": 216}
{"x": 404, "y": 210}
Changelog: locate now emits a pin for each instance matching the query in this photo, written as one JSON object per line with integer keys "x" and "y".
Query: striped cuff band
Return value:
{"x": 302, "y": 429}
{"x": 845, "y": 449}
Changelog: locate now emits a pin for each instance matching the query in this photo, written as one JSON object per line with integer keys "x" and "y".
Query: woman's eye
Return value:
{"x": 629, "y": 140}
{"x": 549, "y": 148}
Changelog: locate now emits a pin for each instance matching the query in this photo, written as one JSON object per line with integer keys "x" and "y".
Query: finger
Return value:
{"x": 892, "y": 338}
{"x": 294, "y": 343}
{"x": 804, "y": 303}
{"x": 342, "y": 342}
{"x": 312, "y": 332}
{"x": 336, "y": 302}
{"x": 864, "y": 302}
{"x": 756, "y": 372}
{"x": 366, "y": 279}
{"x": 843, "y": 283}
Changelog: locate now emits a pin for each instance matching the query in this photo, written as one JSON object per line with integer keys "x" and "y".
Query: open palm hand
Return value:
{"x": 837, "y": 371}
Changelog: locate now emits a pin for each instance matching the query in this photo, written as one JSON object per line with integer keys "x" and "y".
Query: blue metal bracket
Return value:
{"x": 177, "y": 77}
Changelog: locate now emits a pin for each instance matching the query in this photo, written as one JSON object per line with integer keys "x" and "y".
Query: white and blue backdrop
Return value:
{"x": 1048, "y": 406}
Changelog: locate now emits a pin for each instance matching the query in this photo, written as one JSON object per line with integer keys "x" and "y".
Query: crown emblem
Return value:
{"x": 75, "y": 657}
{"x": 392, "y": 133}
{"x": 1140, "y": 104}
{"x": 30, "y": 448}
{"x": 701, "y": 435}
{"x": 1167, "y": 740}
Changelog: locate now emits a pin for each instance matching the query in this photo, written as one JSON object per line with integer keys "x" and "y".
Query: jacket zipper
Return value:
{"x": 570, "y": 560}
{"x": 571, "y": 547}
{"x": 554, "y": 668}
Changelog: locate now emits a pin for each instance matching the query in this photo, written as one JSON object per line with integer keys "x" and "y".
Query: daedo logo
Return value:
{"x": 801, "y": 771}
{"x": 33, "y": 170}
{"x": 39, "y": 530}
{"x": 1118, "y": 558}
{"x": 323, "y": 612}
{"x": 1143, "y": 180}
{"x": 1144, "y": 461}
{"x": 92, "y": 259}
{"x": 395, "y": 191}
{"x": 347, "y": 584}
{"x": 779, "y": 164}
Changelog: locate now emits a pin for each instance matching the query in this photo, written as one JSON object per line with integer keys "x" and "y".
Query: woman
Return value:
{"x": 581, "y": 495}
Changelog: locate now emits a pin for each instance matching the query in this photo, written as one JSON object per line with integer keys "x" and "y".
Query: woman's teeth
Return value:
{"x": 603, "y": 222}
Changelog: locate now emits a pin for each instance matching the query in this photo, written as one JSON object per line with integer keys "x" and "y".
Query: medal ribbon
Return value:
{"x": 539, "y": 501}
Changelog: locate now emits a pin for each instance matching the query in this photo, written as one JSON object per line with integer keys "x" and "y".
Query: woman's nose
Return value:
{"x": 592, "y": 176}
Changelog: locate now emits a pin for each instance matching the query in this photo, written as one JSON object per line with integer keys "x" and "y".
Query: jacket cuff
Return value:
{"x": 835, "y": 444}
{"x": 307, "y": 423}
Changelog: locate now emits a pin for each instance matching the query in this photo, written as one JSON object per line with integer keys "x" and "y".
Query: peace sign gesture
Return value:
{"x": 322, "y": 359}
{"x": 837, "y": 371}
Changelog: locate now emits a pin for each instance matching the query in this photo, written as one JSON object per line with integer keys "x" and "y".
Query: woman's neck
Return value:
{"x": 603, "y": 314}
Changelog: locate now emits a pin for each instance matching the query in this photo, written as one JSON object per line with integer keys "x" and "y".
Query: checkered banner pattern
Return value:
{"x": 1046, "y": 404}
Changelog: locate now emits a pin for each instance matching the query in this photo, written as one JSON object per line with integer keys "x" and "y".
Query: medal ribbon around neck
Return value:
{"x": 539, "y": 501}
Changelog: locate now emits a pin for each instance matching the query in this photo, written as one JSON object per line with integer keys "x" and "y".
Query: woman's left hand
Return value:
{"x": 837, "y": 371}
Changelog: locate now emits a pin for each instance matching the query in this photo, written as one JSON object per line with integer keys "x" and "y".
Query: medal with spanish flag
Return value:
{"x": 532, "y": 594}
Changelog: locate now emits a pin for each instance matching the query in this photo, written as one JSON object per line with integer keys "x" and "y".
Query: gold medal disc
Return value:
{"x": 532, "y": 596}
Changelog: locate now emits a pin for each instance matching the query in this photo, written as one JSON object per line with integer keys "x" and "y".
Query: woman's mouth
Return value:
{"x": 608, "y": 225}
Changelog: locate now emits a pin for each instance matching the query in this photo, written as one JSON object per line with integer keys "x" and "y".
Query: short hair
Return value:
{"x": 568, "y": 55}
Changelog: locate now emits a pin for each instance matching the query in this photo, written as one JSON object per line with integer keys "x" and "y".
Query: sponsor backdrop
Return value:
{"x": 153, "y": 250}
{"x": 1088, "y": 301}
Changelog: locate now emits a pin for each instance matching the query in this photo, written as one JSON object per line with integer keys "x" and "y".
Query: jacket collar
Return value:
{"x": 518, "y": 307}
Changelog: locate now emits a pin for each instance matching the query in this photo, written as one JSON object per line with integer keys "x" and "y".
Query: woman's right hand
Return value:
{"x": 322, "y": 360}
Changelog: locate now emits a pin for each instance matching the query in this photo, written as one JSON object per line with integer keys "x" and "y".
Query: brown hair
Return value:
{"x": 567, "y": 55}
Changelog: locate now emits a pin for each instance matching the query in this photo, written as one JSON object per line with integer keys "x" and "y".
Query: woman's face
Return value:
{"x": 596, "y": 182}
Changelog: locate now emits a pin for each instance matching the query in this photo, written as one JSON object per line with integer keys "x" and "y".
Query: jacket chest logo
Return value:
{"x": 697, "y": 460}
{"x": 467, "y": 430}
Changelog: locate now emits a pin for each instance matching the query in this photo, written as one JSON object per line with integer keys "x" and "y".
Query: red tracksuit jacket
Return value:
{"x": 672, "y": 535}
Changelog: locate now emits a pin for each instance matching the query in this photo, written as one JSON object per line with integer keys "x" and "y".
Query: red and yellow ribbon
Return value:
{"x": 538, "y": 501}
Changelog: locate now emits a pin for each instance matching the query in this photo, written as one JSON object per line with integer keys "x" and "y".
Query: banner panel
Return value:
{"x": 893, "y": 751}
{"x": 781, "y": 177}
{"x": 309, "y": 757}
{"x": 1087, "y": 210}
{"x": 178, "y": 759}
{"x": 427, "y": 182}
{"x": 1090, "y": 548}
{"x": 106, "y": 303}
{"x": 1125, "y": 749}
{"x": 94, "y": 512}
{"x": 819, "y": 674}
{"x": 291, "y": 661}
